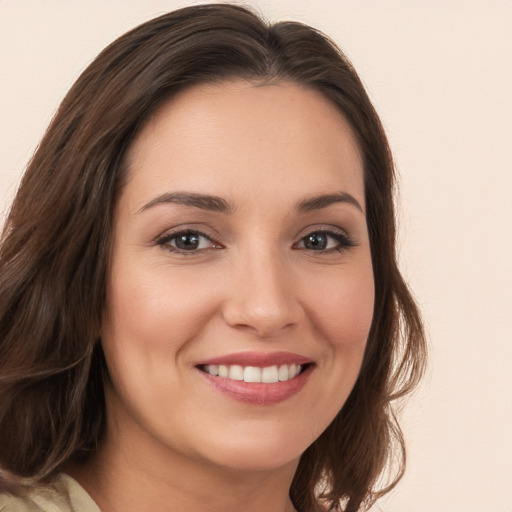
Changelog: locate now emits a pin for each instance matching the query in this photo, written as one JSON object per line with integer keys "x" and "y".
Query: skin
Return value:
{"x": 174, "y": 441}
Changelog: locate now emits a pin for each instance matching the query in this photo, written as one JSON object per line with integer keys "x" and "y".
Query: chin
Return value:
{"x": 264, "y": 449}
{"x": 255, "y": 460}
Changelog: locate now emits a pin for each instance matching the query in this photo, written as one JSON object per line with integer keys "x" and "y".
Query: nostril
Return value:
{"x": 263, "y": 322}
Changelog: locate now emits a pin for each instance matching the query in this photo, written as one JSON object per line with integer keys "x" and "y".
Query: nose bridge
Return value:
{"x": 263, "y": 299}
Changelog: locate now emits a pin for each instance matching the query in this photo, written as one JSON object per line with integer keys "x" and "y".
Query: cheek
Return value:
{"x": 341, "y": 312}
{"x": 149, "y": 322}
{"x": 342, "y": 308}
{"x": 150, "y": 311}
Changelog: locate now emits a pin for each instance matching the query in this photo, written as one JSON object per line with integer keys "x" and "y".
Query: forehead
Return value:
{"x": 239, "y": 137}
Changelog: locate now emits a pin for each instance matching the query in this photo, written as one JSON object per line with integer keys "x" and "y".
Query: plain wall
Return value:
{"x": 440, "y": 75}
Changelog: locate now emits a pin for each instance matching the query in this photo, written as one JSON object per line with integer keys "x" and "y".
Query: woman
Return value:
{"x": 201, "y": 307}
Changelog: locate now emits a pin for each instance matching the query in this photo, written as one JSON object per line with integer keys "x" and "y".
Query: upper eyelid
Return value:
{"x": 323, "y": 228}
{"x": 171, "y": 236}
{"x": 203, "y": 230}
{"x": 339, "y": 235}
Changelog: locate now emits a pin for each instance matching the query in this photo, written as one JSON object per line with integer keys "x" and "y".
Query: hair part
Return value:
{"x": 55, "y": 250}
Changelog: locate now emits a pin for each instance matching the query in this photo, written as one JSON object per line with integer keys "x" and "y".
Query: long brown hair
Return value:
{"x": 54, "y": 254}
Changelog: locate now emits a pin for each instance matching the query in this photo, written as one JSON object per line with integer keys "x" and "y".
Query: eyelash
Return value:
{"x": 165, "y": 242}
{"x": 343, "y": 241}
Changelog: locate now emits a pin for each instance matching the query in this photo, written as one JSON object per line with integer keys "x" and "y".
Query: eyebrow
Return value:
{"x": 218, "y": 204}
{"x": 323, "y": 201}
{"x": 202, "y": 201}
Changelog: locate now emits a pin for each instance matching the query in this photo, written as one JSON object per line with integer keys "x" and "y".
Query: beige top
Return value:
{"x": 63, "y": 494}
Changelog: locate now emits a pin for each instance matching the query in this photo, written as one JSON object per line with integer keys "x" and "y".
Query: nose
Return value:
{"x": 263, "y": 298}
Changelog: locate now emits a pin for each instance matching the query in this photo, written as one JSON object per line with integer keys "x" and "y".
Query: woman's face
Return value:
{"x": 240, "y": 257}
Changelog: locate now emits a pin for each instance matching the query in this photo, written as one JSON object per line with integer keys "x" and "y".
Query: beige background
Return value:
{"x": 440, "y": 74}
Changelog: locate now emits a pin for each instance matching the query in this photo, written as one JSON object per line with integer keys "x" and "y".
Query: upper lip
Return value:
{"x": 258, "y": 359}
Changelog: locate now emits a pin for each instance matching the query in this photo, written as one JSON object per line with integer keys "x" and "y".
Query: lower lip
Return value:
{"x": 256, "y": 392}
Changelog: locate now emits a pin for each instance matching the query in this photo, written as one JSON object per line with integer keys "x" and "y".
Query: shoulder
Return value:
{"x": 63, "y": 494}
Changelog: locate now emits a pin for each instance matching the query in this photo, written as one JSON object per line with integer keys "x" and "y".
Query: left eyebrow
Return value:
{"x": 323, "y": 201}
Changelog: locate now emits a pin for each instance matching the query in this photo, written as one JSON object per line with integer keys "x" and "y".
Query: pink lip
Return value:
{"x": 254, "y": 392}
{"x": 258, "y": 359}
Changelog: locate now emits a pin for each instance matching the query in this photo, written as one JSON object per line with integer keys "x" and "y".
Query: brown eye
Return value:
{"x": 187, "y": 241}
{"x": 316, "y": 241}
{"x": 325, "y": 241}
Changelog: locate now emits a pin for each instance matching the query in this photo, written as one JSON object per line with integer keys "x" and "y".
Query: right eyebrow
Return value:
{"x": 202, "y": 201}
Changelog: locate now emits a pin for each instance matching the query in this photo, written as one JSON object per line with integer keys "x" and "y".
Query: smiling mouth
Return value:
{"x": 255, "y": 374}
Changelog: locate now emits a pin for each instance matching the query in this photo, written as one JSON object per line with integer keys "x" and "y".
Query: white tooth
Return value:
{"x": 213, "y": 369}
{"x": 252, "y": 374}
{"x": 269, "y": 374}
{"x": 236, "y": 372}
{"x": 283, "y": 372}
{"x": 223, "y": 371}
{"x": 292, "y": 371}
